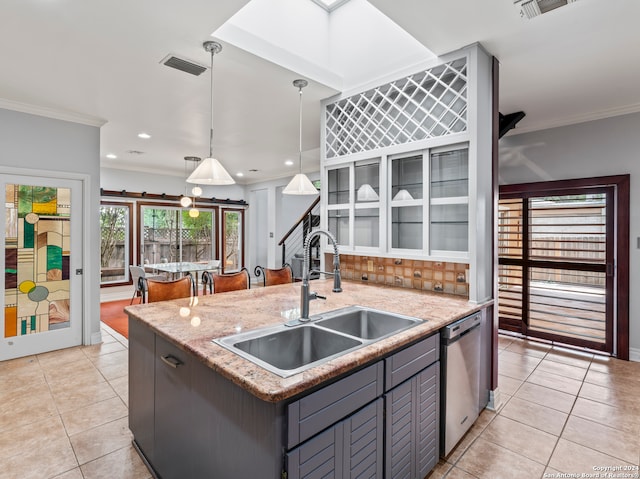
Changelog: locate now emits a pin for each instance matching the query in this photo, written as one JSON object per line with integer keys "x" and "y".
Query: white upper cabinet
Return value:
{"x": 407, "y": 168}
{"x": 421, "y": 210}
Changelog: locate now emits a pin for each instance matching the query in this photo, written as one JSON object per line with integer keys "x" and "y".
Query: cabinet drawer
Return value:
{"x": 313, "y": 413}
{"x": 402, "y": 365}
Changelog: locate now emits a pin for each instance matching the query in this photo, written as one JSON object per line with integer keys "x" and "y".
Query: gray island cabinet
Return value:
{"x": 380, "y": 419}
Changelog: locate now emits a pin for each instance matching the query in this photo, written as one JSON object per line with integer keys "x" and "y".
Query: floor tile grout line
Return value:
{"x": 589, "y": 420}
{"x": 557, "y": 440}
{"x": 555, "y": 446}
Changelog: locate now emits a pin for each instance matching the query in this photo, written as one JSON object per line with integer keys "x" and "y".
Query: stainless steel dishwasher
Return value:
{"x": 460, "y": 362}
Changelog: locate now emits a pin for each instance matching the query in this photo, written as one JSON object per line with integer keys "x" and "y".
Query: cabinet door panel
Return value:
{"x": 363, "y": 434}
{"x": 428, "y": 395}
{"x": 173, "y": 414}
{"x": 141, "y": 384}
{"x": 400, "y": 418}
{"x": 411, "y": 440}
{"x": 320, "y": 457}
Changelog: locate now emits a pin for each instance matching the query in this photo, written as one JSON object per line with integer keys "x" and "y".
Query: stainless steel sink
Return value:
{"x": 286, "y": 350}
{"x": 366, "y": 323}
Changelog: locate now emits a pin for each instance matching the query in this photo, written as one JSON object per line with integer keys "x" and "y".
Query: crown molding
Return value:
{"x": 51, "y": 113}
{"x": 572, "y": 120}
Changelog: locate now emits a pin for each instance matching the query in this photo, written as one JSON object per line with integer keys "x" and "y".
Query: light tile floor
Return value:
{"x": 564, "y": 413}
{"x": 64, "y": 415}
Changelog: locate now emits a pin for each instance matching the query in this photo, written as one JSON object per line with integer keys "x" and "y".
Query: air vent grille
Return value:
{"x": 183, "y": 65}
{"x": 533, "y": 8}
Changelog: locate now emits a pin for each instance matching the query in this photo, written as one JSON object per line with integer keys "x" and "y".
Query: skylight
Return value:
{"x": 330, "y": 5}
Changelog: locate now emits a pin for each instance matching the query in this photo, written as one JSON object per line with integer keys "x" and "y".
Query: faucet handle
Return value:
{"x": 315, "y": 295}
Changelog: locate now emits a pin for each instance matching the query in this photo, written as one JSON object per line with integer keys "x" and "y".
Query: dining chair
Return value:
{"x": 221, "y": 283}
{"x": 207, "y": 282}
{"x": 166, "y": 290}
{"x": 272, "y": 277}
{"x": 138, "y": 276}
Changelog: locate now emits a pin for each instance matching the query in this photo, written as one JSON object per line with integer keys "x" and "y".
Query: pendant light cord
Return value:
{"x": 211, "y": 109}
{"x": 300, "y": 128}
{"x": 300, "y": 83}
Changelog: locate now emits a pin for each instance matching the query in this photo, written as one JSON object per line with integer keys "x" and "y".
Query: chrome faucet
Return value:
{"x": 305, "y": 294}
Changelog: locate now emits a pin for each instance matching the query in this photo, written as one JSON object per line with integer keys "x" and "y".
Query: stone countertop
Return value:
{"x": 192, "y": 327}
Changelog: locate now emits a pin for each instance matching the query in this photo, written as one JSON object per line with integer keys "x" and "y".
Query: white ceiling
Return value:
{"x": 99, "y": 62}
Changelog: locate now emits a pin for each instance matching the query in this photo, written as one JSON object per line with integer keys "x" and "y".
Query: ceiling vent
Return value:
{"x": 533, "y": 8}
{"x": 183, "y": 65}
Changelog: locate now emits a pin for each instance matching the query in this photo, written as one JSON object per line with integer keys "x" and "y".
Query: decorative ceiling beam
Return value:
{"x": 165, "y": 197}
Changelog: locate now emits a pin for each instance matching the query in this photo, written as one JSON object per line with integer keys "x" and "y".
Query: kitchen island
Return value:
{"x": 200, "y": 410}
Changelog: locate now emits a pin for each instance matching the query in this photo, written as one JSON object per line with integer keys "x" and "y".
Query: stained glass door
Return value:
{"x": 42, "y": 301}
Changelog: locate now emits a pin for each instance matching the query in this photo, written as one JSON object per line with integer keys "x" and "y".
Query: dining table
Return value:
{"x": 182, "y": 267}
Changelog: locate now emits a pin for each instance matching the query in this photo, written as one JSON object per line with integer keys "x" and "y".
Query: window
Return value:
{"x": 563, "y": 261}
{"x": 159, "y": 230}
{"x": 115, "y": 242}
{"x": 169, "y": 235}
{"x": 233, "y": 234}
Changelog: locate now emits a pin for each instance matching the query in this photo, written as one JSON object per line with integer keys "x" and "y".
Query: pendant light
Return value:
{"x": 300, "y": 184}
{"x": 196, "y": 191}
{"x": 211, "y": 171}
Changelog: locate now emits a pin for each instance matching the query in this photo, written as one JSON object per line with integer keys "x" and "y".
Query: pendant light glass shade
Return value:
{"x": 300, "y": 184}
{"x": 402, "y": 195}
{"x": 211, "y": 171}
{"x": 367, "y": 193}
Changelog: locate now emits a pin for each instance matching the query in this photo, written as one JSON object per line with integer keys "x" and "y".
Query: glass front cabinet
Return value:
{"x": 353, "y": 205}
{"x": 413, "y": 204}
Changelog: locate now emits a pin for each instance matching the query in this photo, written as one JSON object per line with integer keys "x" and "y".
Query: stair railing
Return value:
{"x": 298, "y": 232}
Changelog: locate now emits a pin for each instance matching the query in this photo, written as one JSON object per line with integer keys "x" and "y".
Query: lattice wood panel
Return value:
{"x": 428, "y": 104}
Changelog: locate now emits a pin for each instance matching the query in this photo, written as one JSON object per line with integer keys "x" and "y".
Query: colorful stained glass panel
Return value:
{"x": 37, "y": 258}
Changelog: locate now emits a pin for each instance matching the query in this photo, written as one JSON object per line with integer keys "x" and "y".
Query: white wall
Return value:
{"x": 281, "y": 210}
{"x": 40, "y": 144}
{"x": 597, "y": 148}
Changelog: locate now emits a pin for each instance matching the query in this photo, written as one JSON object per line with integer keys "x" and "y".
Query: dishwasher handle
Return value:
{"x": 452, "y": 332}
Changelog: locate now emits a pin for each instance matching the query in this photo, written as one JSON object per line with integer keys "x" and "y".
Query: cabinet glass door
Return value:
{"x": 339, "y": 225}
{"x": 338, "y": 199}
{"x": 406, "y": 178}
{"x": 449, "y": 203}
{"x": 338, "y": 189}
{"x": 366, "y": 219}
{"x": 407, "y": 222}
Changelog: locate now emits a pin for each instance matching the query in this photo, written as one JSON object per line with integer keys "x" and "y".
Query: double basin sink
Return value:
{"x": 286, "y": 350}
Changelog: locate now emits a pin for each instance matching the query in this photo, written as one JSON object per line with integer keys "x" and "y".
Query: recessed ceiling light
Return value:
{"x": 240, "y": 173}
{"x": 144, "y": 136}
{"x": 111, "y": 156}
{"x": 289, "y": 162}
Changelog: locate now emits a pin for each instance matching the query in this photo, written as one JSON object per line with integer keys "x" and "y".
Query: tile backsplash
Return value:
{"x": 434, "y": 276}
